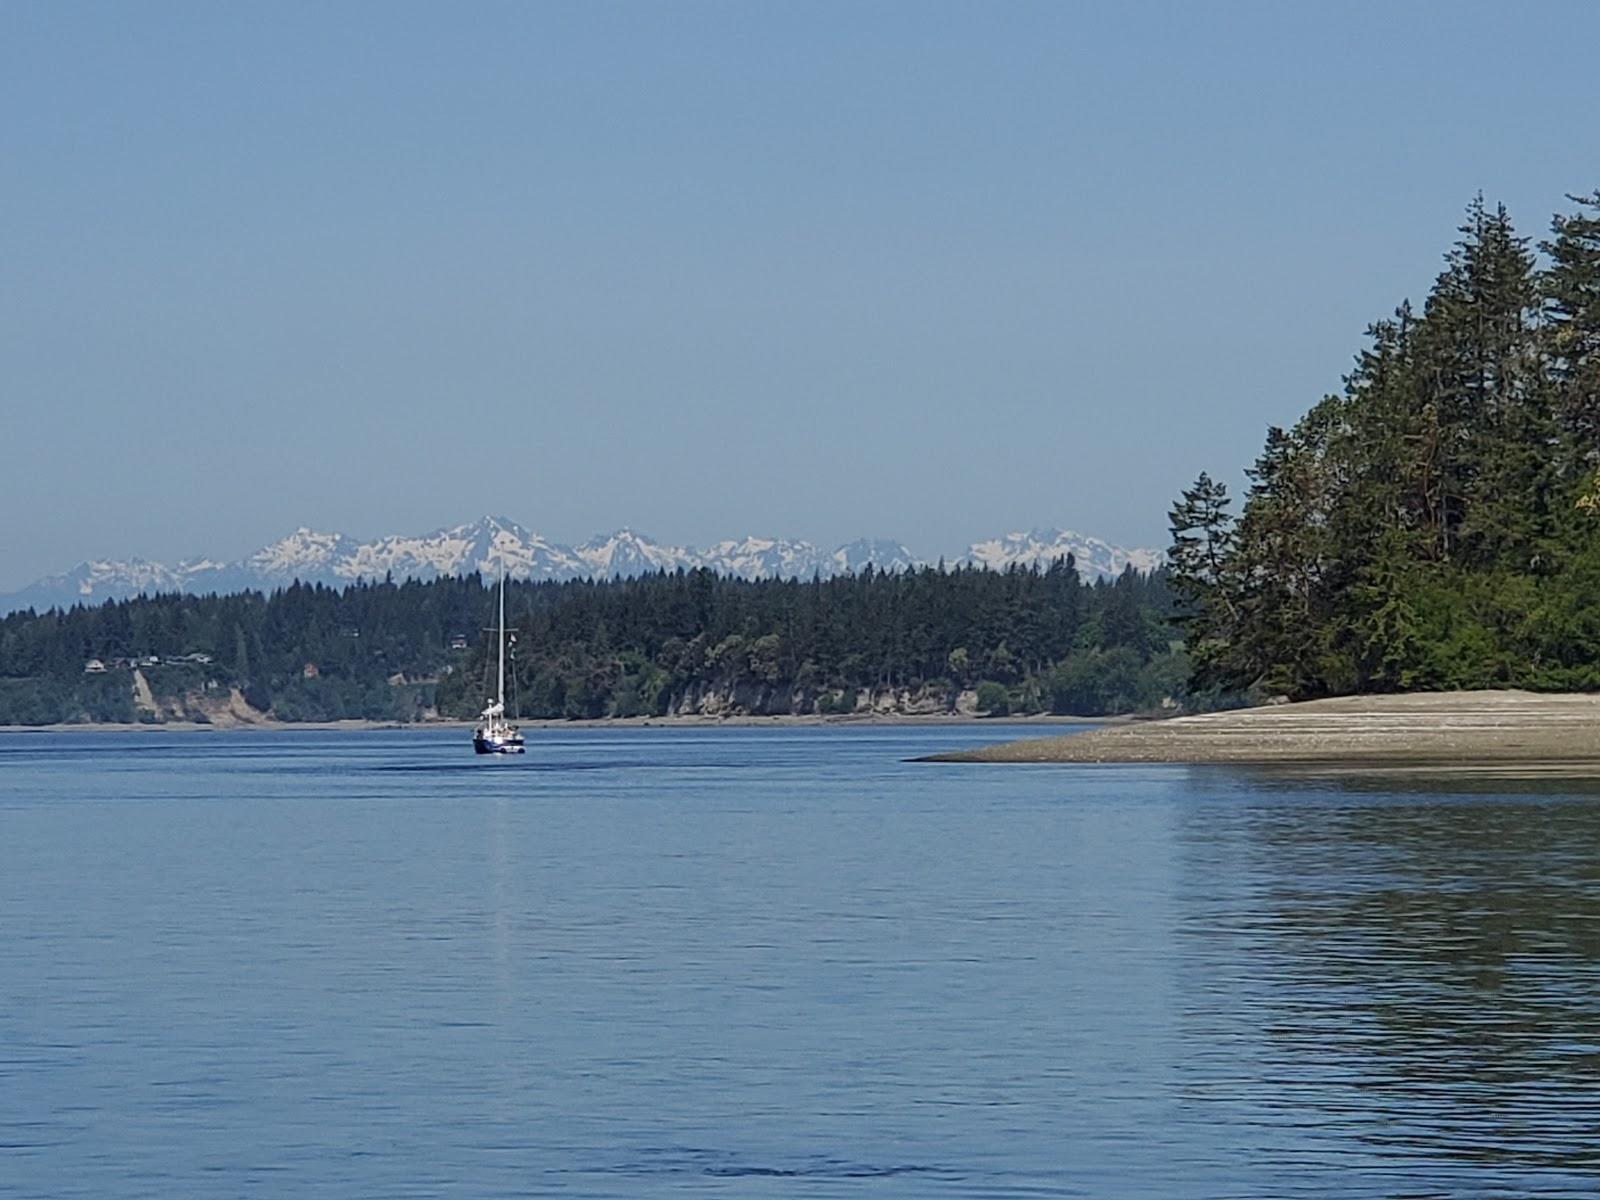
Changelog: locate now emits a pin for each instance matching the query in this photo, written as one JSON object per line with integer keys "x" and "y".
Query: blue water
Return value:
{"x": 771, "y": 962}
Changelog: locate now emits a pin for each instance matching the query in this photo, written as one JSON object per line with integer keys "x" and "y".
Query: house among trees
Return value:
{"x": 670, "y": 642}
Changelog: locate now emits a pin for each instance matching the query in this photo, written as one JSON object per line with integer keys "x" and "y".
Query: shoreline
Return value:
{"x": 1546, "y": 732}
{"x": 696, "y": 721}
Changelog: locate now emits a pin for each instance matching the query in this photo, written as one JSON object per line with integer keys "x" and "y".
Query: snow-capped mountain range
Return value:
{"x": 491, "y": 543}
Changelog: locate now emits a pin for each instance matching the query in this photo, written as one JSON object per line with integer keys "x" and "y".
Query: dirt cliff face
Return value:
{"x": 764, "y": 700}
{"x": 224, "y": 709}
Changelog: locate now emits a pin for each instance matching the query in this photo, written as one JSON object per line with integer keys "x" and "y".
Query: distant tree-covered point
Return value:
{"x": 1437, "y": 524}
{"x": 930, "y": 640}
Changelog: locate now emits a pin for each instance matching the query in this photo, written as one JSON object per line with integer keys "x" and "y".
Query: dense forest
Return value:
{"x": 1437, "y": 523}
{"x": 1019, "y": 641}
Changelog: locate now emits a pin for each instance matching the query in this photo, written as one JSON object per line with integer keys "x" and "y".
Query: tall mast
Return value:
{"x": 501, "y": 694}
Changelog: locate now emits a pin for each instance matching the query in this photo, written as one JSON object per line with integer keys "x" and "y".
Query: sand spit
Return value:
{"x": 1439, "y": 729}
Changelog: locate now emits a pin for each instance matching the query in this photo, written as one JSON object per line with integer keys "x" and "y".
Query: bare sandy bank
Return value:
{"x": 1442, "y": 729}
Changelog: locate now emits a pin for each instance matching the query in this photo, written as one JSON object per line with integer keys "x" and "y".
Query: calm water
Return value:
{"x": 780, "y": 963}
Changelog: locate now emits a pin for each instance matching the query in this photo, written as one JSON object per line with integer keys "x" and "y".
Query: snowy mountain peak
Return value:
{"x": 878, "y": 553}
{"x": 626, "y": 552}
{"x": 766, "y": 558}
{"x": 486, "y": 545}
{"x": 1042, "y": 546}
{"x": 492, "y": 543}
{"x": 492, "y": 527}
{"x": 304, "y": 551}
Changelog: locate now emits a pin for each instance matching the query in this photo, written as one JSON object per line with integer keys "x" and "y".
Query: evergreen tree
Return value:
{"x": 1432, "y": 526}
{"x": 1570, "y": 288}
{"x": 654, "y": 644}
{"x": 1199, "y": 565}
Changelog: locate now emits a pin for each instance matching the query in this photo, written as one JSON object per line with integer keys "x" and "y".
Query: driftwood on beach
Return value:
{"x": 1466, "y": 729}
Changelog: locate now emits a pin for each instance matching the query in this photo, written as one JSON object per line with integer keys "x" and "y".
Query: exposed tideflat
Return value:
{"x": 1442, "y": 729}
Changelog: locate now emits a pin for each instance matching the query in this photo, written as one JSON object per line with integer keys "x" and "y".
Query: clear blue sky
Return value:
{"x": 926, "y": 271}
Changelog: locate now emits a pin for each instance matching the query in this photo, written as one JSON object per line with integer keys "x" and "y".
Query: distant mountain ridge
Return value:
{"x": 491, "y": 542}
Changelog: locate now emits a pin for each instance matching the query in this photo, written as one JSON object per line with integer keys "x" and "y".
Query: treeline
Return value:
{"x": 1024, "y": 640}
{"x": 1020, "y": 641}
{"x": 1436, "y": 524}
{"x": 304, "y": 653}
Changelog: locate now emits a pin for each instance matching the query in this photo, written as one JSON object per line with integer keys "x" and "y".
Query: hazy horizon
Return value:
{"x": 930, "y": 272}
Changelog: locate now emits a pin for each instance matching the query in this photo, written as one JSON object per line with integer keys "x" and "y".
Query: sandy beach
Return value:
{"x": 1448, "y": 729}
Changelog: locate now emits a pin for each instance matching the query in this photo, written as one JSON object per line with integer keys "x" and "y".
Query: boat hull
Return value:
{"x": 493, "y": 745}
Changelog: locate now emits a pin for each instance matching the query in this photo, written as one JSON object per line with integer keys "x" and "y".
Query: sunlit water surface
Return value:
{"x": 781, "y": 963}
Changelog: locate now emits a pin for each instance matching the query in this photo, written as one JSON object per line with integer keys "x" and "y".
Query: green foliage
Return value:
{"x": 1437, "y": 524}
{"x": 669, "y": 642}
{"x": 631, "y": 648}
{"x": 643, "y": 689}
{"x": 106, "y": 698}
{"x": 1097, "y": 683}
{"x": 994, "y": 699}
{"x": 36, "y": 702}
{"x": 358, "y": 639}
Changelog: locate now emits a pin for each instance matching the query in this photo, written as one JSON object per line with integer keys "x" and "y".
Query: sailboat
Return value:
{"x": 494, "y": 734}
